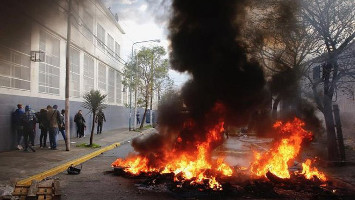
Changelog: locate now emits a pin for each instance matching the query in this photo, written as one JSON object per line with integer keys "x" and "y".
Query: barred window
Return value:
{"x": 89, "y": 73}
{"x": 74, "y": 73}
{"x": 49, "y": 70}
{"x": 100, "y": 36}
{"x": 88, "y": 26}
{"x": 75, "y": 9}
{"x": 118, "y": 88}
{"x": 111, "y": 86}
{"x": 102, "y": 77}
{"x": 14, "y": 69}
{"x": 117, "y": 50}
{"x": 110, "y": 44}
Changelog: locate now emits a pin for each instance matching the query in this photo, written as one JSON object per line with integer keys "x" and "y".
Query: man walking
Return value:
{"x": 53, "y": 117}
{"x": 100, "y": 118}
{"x": 17, "y": 122}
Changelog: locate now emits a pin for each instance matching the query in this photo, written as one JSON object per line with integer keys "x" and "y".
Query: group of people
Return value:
{"x": 50, "y": 121}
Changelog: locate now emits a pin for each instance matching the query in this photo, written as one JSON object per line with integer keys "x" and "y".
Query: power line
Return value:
{"x": 83, "y": 24}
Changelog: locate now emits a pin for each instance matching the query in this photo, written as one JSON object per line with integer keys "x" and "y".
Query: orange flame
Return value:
{"x": 277, "y": 159}
{"x": 311, "y": 172}
{"x": 195, "y": 166}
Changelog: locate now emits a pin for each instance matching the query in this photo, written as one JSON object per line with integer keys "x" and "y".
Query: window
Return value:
{"x": 110, "y": 44}
{"x": 111, "y": 86}
{"x": 49, "y": 70}
{"x": 75, "y": 9}
{"x": 118, "y": 88}
{"x": 88, "y": 26}
{"x": 89, "y": 73}
{"x": 14, "y": 69}
{"x": 102, "y": 77}
{"x": 74, "y": 73}
{"x": 117, "y": 50}
{"x": 100, "y": 36}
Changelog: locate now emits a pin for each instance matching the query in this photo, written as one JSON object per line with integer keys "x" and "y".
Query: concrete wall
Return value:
{"x": 116, "y": 116}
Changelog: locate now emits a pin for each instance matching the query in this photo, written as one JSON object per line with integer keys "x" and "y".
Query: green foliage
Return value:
{"x": 94, "y": 101}
{"x": 147, "y": 69}
{"x": 88, "y": 145}
{"x": 145, "y": 73}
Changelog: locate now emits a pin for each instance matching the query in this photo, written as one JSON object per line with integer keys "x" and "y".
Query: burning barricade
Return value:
{"x": 197, "y": 169}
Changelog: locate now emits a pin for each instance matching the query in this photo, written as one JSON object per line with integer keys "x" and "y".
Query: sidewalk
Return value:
{"x": 17, "y": 165}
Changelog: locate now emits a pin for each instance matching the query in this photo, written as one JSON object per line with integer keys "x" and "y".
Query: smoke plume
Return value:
{"x": 225, "y": 85}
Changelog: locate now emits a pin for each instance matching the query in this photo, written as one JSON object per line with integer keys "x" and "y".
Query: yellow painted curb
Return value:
{"x": 63, "y": 167}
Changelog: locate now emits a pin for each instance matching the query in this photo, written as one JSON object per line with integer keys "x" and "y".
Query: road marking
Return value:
{"x": 63, "y": 167}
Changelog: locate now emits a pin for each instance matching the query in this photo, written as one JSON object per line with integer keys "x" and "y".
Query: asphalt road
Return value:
{"x": 97, "y": 180}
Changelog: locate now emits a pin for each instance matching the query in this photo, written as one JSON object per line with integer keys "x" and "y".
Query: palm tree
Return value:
{"x": 93, "y": 101}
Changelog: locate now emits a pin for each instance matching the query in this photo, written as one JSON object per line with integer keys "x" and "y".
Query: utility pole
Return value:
{"x": 67, "y": 81}
{"x": 151, "y": 94}
{"x": 135, "y": 91}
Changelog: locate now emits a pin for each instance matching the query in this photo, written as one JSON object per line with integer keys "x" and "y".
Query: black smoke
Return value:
{"x": 205, "y": 43}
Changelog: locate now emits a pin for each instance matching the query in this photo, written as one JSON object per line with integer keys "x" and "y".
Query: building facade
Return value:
{"x": 33, "y": 58}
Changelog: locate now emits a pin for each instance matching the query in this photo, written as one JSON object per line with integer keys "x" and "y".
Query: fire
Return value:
{"x": 284, "y": 151}
{"x": 197, "y": 166}
{"x": 277, "y": 159}
{"x": 311, "y": 172}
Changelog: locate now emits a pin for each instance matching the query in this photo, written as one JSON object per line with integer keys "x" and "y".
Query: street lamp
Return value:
{"x": 130, "y": 89}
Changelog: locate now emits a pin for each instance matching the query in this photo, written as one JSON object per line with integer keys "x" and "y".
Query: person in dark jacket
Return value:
{"x": 62, "y": 125}
{"x": 53, "y": 117}
{"x": 99, "y": 119}
{"x": 138, "y": 118}
{"x": 29, "y": 120}
{"x": 80, "y": 123}
{"x": 44, "y": 126}
{"x": 17, "y": 122}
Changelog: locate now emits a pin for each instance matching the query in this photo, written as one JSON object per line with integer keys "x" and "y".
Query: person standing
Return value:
{"x": 100, "y": 118}
{"x": 29, "y": 121}
{"x": 62, "y": 125}
{"x": 53, "y": 116}
{"x": 138, "y": 119}
{"x": 44, "y": 126}
{"x": 17, "y": 122}
{"x": 80, "y": 123}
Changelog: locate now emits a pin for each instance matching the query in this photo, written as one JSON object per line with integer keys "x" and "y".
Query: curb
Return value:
{"x": 63, "y": 167}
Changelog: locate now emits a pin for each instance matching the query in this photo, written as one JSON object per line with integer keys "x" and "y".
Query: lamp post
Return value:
{"x": 130, "y": 89}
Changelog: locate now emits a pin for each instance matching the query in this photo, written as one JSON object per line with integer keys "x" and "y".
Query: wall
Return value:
{"x": 116, "y": 117}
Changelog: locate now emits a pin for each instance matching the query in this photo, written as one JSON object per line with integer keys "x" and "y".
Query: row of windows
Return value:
{"x": 108, "y": 79}
{"x": 84, "y": 22}
{"x": 49, "y": 72}
{"x": 113, "y": 48}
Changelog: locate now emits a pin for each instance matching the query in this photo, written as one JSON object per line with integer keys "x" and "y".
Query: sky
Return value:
{"x": 144, "y": 20}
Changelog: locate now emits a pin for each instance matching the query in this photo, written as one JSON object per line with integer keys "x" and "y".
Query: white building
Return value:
{"x": 41, "y": 26}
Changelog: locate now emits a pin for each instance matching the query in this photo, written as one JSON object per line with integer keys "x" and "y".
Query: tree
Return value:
{"x": 94, "y": 101}
{"x": 278, "y": 39}
{"x": 145, "y": 73}
{"x": 333, "y": 23}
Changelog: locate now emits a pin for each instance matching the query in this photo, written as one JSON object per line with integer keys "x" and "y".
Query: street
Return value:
{"x": 97, "y": 180}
